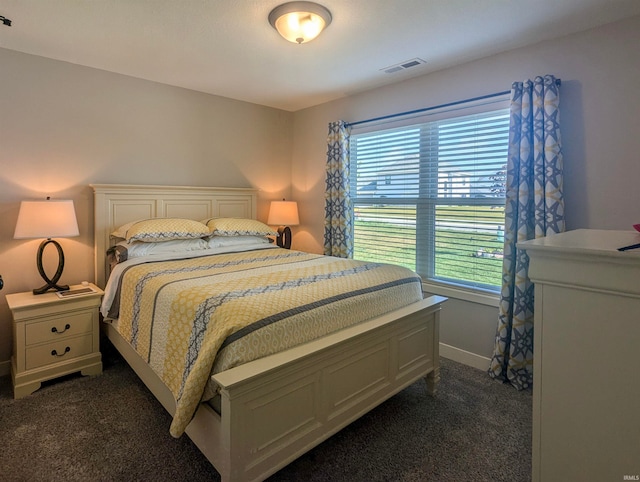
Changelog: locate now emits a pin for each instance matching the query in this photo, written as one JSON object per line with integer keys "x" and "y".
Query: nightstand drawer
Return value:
{"x": 41, "y": 355}
{"x": 73, "y": 324}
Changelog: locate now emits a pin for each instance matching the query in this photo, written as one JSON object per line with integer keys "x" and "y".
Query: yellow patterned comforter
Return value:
{"x": 180, "y": 314}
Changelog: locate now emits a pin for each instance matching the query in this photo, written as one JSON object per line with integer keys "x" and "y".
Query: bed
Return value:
{"x": 269, "y": 411}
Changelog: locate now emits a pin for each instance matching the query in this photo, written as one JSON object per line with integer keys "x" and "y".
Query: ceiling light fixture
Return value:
{"x": 300, "y": 22}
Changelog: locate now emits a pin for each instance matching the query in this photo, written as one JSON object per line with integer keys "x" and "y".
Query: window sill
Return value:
{"x": 452, "y": 291}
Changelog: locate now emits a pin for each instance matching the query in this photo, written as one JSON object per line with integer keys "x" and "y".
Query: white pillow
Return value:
{"x": 224, "y": 241}
{"x": 123, "y": 250}
{"x": 140, "y": 248}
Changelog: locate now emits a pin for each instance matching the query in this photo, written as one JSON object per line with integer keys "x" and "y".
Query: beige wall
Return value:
{"x": 64, "y": 126}
{"x": 600, "y": 106}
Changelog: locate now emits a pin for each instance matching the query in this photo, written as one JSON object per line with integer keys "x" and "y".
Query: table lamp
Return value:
{"x": 47, "y": 219}
{"x": 283, "y": 214}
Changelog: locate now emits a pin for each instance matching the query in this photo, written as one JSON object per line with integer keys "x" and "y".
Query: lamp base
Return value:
{"x": 48, "y": 287}
{"x": 51, "y": 284}
{"x": 284, "y": 238}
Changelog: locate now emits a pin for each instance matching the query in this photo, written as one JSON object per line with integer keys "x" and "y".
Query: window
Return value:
{"x": 430, "y": 197}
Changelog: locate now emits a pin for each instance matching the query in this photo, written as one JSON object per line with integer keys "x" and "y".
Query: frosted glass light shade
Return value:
{"x": 283, "y": 213}
{"x": 46, "y": 219}
{"x": 300, "y": 22}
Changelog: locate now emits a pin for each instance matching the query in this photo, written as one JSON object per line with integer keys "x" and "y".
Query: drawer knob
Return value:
{"x": 55, "y": 330}
{"x": 66, "y": 350}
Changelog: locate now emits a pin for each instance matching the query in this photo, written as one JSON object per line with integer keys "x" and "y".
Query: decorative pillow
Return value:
{"x": 238, "y": 227}
{"x": 161, "y": 229}
{"x": 116, "y": 254}
{"x": 225, "y": 241}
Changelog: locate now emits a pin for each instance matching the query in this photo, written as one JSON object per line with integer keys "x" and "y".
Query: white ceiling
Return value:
{"x": 228, "y": 48}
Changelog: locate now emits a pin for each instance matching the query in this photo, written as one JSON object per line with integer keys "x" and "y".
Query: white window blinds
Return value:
{"x": 430, "y": 196}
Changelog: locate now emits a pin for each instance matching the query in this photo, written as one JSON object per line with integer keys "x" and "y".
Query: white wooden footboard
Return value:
{"x": 277, "y": 408}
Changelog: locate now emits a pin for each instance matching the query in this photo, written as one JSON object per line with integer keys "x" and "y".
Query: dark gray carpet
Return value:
{"x": 110, "y": 428}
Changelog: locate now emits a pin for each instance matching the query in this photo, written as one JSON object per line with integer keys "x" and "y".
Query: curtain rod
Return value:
{"x": 426, "y": 109}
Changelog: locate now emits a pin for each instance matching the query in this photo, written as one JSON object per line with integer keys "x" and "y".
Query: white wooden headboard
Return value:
{"x": 117, "y": 204}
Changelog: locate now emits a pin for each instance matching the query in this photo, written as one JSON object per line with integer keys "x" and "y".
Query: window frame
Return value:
{"x": 426, "y": 205}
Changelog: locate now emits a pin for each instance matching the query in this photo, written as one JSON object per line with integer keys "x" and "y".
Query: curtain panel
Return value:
{"x": 534, "y": 209}
{"x": 338, "y": 222}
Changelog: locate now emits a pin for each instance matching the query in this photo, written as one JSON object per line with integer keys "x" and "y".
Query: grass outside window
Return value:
{"x": 466, "y": 252}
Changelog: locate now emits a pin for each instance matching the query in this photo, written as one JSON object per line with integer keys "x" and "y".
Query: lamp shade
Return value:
{"x": 46, "y": 219}
{"x": 300, "y": 22}
{"x": 283, "y": 213}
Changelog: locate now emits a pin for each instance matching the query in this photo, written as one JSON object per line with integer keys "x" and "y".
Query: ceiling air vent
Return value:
{"x": 407, "y": 64}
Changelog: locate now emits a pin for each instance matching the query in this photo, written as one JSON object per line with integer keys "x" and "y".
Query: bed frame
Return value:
{"x": 275, "y": 409}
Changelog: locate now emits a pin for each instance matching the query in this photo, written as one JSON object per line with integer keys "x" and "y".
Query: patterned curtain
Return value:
{"x": 338, "y": 221}
{"x": 534, "y": 209}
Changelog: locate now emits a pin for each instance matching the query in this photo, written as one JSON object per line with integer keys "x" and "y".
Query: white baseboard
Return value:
{"x": 5, "y": 368}
{"x": 465, "y": 357}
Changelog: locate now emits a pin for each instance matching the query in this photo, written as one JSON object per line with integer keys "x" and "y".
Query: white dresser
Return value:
{"x": 586, "y": 392}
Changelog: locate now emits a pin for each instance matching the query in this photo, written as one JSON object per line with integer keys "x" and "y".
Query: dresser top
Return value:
{"x": 587, "y": 241}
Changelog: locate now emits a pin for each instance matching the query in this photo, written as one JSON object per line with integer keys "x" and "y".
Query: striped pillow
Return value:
{"x": 238, "y": 227}
{"x": 162, "y": 229}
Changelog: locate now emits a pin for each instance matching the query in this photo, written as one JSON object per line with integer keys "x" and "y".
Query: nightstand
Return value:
{"x": 53, "y": 336}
